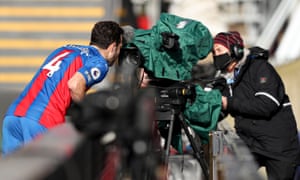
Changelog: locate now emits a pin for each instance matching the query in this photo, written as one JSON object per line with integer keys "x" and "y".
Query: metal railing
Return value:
{"x": 62, "y": 153}
{"x": 230, "y": 158}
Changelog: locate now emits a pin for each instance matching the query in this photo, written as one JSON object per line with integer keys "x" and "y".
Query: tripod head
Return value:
{"x": 173, "y": 94}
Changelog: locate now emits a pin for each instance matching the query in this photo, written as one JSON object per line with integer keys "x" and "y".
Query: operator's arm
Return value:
{"x": 77, "y": 87}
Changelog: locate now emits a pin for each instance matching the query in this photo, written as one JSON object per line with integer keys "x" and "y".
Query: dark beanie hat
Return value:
{"x": 228, "y": 39}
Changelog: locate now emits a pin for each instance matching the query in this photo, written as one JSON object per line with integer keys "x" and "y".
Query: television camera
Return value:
{"x": 171, "y": 97}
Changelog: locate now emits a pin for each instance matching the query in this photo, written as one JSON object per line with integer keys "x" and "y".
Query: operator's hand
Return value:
{"x": 224, "y": 102}
{"x": 144, "y": 79}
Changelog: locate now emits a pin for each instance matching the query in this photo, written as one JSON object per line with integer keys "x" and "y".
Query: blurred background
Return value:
{"x": 31, "y": 29}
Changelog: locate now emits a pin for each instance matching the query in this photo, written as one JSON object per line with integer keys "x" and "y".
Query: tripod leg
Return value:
{"x": 168, "y": 142}
{"x": 199, "y": 153}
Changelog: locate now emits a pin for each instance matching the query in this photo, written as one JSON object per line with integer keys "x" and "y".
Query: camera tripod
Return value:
{"x": 174, "y": 115}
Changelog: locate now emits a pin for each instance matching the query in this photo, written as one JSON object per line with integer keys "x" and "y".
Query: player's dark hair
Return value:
{"x": 106, "y": 32}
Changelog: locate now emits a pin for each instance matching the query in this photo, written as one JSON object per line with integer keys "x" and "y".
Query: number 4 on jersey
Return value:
{"x": 54, "y": 64}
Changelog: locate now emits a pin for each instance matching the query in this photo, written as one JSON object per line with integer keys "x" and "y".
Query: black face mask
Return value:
{"x": 222, "y": 61}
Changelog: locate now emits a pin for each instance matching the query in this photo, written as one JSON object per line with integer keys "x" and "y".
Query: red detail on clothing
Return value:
{"x": 263, "y": 80}
{"x": 54, "y": 113}
{"x": 24, "y": 105}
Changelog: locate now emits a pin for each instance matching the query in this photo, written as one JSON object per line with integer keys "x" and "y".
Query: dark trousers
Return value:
{"x": 276, "y": 169}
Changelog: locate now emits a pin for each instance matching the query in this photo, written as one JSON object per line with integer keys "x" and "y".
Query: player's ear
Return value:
{"x": 111, "y": 50}
{"x": 112, "y": 47}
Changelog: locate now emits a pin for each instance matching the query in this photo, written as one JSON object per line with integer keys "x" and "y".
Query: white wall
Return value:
{"x": 204, "y": 11}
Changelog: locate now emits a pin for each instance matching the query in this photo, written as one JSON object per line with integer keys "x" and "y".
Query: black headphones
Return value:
{"x": 236, "y": 50}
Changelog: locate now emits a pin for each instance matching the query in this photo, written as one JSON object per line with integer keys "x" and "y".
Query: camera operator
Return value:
{"x": 256, "y": 98}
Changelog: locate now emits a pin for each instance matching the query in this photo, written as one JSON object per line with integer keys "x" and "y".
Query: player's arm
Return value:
{"x": 77, "y": 87}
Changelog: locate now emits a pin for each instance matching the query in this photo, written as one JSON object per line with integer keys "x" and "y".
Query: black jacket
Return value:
{"x": 263, "y": 114}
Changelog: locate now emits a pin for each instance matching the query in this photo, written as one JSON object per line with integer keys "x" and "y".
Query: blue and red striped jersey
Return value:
{"x": 47, "y": 96}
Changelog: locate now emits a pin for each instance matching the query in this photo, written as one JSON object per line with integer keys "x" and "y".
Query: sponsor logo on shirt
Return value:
{"x": 88, "y": 76}
{"x": 263, "y": 80}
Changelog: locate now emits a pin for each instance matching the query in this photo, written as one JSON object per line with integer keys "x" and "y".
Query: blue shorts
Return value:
{"x": 17, "y": 131}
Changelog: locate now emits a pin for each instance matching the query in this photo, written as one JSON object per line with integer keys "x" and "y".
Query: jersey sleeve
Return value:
{"x": 94, "y": 70}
